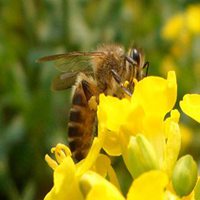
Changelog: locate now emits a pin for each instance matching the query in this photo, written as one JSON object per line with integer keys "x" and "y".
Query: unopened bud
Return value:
{"x": 184, "y": 176}
{"x": 141, "y": 156}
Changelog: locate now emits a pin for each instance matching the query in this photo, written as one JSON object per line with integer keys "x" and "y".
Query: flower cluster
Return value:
{"x": 180, "y": 33}
{"x": 144, "y": 130}
{"x": 183, "y": 24}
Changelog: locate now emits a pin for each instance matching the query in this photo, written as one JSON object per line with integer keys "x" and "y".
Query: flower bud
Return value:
{"x": 140, "y": 156}
{"x": 184, "y": 176}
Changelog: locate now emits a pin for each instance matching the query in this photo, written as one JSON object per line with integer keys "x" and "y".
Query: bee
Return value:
{"x": 102, "y": 71}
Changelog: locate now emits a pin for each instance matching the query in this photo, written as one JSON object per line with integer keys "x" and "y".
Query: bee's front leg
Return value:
{"x": 118, "y": 79}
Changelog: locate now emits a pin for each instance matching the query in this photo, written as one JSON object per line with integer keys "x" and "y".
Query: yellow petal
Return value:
{"x": 173, "y": 142}
{"x": 111, "y": 143}
{"x": 65, "y": 183}
{"x": 113, "y": 177}
{"x": 112, "y": 111}
{"x": 149, "y": 186}
{"x": 102, "y": 192}
{"x": 64, "y": 173}
{"x": 191, "y": 106}
{"x": 98, "y": 188}
{"x": 90, "y": 159}
{"x": 135, "y": 120}
{"x": 153, "y": 131}
{"x": 101, "y": 165}
{"x": 156, "y": 95}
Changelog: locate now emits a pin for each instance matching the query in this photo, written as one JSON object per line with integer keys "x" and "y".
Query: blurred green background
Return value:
{"x": 33, "y": 118}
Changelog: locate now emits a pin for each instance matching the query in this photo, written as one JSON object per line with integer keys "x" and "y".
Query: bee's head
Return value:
{"x": 136, "y": 63}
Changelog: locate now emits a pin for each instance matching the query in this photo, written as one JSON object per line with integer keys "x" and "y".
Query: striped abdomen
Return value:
{"x": 81, "y": 121}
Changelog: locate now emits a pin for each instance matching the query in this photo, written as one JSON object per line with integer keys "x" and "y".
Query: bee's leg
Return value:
{"x": 87, "y": 89}
{"x": 130, "y": 60}
{"x": 117, "y": 78}
{"x": 146, "y": 65}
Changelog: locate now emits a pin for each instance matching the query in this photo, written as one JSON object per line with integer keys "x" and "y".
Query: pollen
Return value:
{"x": 135, "y": 81}
{"x": 93, "y": 103}
{"x": 126, "y": 84}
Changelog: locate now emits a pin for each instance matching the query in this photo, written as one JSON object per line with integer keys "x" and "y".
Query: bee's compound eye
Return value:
{"x": 135, "y": 55}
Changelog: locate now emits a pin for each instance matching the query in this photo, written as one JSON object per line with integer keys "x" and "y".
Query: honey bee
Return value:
{"x": 102, "y": 71}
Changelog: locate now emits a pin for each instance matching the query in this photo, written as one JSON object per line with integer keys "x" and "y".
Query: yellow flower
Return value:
{"x": 67, "y": 174}
{"x": 191, "y": 106}
{"x": 182, "y": 25}
{"x": 119, "y": 120}
{"x": 173, "y": 27}
{"x": 193, "y": 18}
{"x": 149, "y": 142}
{"x": 65, "y": 180}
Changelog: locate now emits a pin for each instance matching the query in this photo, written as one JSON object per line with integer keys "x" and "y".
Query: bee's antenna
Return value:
{"x": 146, "y": 65}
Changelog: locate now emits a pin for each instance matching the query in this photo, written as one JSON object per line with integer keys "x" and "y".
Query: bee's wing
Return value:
{"x": 63, "y": 81}
{"x": 73, "y": 61}
{"x": 66, "y": 80}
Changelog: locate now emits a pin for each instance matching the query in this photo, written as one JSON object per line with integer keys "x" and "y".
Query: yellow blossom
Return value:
{"x": 144, "y": 114}
{"x": 182, "y": 25}
{"x": 65, "y": 181}
{"x": 193, "y": 18}
{"x": 173, "y": 27}
{"x": 67, "y": 174}
{"x": 191, "y": 106}
{"x": 148, "y": 140}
